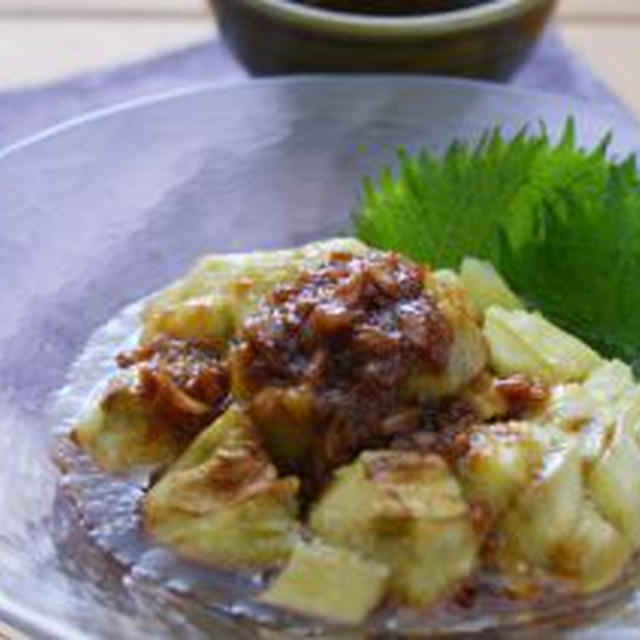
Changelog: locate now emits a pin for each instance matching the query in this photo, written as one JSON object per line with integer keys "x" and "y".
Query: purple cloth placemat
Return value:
{"x": 552, "y": 68}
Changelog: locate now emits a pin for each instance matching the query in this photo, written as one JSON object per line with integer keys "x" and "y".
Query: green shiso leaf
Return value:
{"x": 561, "y": 223}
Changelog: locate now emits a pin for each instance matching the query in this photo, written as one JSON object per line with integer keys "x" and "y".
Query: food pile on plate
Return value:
{"x": 371, "y": 432}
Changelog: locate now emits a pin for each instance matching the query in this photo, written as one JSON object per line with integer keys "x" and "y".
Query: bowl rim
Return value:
{"x": 443, "y": 23}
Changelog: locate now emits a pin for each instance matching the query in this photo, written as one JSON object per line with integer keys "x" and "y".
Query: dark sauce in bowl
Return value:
{"x": 393, "y": 7}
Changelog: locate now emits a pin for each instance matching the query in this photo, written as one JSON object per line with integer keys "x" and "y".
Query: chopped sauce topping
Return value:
{"x": 444, "y": 430}
{"x": 331, "y": 353}
{"x": 183, "y": 383}
{"x": 522, "y": 395}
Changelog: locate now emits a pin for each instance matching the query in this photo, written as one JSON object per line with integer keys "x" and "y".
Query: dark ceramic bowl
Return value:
{"x": 487, "y": 40}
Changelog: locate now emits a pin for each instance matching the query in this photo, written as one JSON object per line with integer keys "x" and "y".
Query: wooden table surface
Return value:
{"x": 45, "y": 40}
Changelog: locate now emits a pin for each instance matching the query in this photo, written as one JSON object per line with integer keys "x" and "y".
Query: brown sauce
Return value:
{"x": 184, "y": 384}
{"x": 338, "y": 346}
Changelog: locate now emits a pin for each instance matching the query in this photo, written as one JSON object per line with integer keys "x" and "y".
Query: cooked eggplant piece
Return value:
{"x": 407, "y": 512}
{"x": 221, "y": 290}
{"x": 545, "y": 512}
{"x": 486, "y": 287}
{"x": 222, "y": 503}
{"x": 526, "y": 343}
{"x": 564, "y": 487}
{"x": 614, "y": 483}
{"x": 594, "y": 554}
{"x": 286, "y": 418}
{"x": 501, "y": 461}
{"x": 611, "y": 382}
{"x": 119, "y": 434}
{"x": 604, "y": 414}
{"x": 165, "y": 393}
{"x": 468, "y": 353}
{"x": 328, "y": 582}
{"x": 529, "y": 475}
{"x": 213, "y": 314}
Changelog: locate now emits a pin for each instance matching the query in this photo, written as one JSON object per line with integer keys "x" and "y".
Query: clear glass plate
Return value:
{"x": 101, "y": 211}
